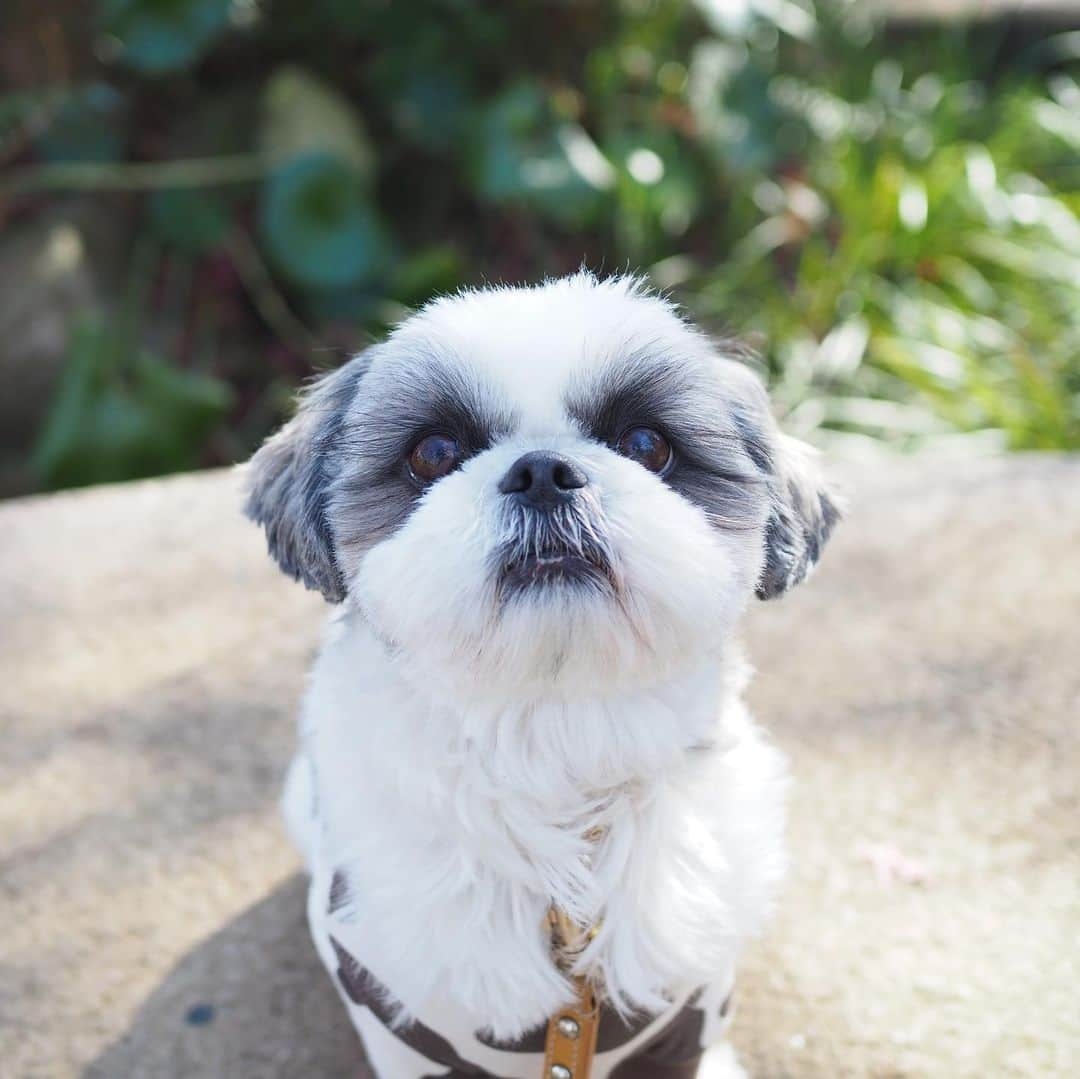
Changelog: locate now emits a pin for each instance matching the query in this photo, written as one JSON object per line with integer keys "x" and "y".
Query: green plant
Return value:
{"x": 918, "y": 271}
{"x": 164, "y": 35}
{"x": 890, "y": 215}
{"x": 121, "y": 411}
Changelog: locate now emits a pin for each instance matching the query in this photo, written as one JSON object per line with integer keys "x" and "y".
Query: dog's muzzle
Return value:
{"x": 552, "y": 566}
{"x": 553, "y": 528}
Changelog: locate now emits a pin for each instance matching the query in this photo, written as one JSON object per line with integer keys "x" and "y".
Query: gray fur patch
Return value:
{"x": 403, "y": 401}
{"x": 802, "y": 512}
{"x": 712, "y": 467}
{"x": 802, "y": 520}
{"x": 335, "y": 478}
{"x": 291, "y": 474}
{"x": 730, "y": 458}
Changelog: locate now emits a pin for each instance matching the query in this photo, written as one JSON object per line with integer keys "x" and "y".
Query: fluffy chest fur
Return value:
{"x": 542, "y": 511}
{"x": 451, "y": 828}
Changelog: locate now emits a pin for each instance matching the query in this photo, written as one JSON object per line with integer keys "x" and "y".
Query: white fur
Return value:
{"x": 456, "y": 753}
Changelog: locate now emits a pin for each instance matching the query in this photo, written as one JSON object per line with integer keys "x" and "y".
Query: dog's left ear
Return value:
{"x": 802, "y": 516}
{"x": 289, "y": 479}
{"x": 802, "y": 509}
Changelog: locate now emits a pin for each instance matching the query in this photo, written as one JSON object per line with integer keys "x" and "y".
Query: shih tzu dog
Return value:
{"x": 541, "y": 512}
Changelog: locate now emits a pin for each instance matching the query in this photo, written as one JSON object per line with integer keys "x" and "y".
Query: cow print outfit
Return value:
{"x": 442, "y": 1043}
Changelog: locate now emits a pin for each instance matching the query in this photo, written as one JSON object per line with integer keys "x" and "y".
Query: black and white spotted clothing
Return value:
{"x": 444, "y": 1042}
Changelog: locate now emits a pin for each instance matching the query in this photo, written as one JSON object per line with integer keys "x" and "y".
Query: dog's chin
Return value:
{"x": 529, "y": 620}
{"x": 539, "y": 574}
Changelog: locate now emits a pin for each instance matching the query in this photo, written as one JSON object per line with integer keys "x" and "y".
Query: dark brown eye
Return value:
{"x": 646, "y": 446}
{"x": 433, "y": 457}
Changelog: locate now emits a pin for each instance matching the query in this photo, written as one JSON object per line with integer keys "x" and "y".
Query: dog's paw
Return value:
{"x": 722, "y": 1062}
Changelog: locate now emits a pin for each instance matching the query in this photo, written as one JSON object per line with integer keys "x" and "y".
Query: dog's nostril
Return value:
{"x": 543, "y": 479}
{"x": 568, "y": 477}
{"x": 515, "y": 481}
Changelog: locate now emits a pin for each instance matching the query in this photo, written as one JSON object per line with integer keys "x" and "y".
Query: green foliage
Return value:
{"x": 317, "y": 217}
{"x": 87, "y": 123}
{"x": 121, "y": 415}
{"x": 303, "y": 115}
{"x": 520, "y": 156}
{"x": 159, "y": 36}
{"x": 317, "y": 224}
{"x": 191, "y": 220}
{"x": 916, "y": 275}
{"x": 890, "y": 215}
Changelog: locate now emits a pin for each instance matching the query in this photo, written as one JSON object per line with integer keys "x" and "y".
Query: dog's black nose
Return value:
{"x": 543, "y": 480}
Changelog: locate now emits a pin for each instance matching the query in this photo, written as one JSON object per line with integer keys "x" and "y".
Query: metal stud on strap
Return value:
{"x": 570, "y": 1044}
{"x": 568, "y": 1027}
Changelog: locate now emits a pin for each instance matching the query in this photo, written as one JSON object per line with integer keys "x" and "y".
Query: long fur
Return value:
{"x": 461, "y": 750}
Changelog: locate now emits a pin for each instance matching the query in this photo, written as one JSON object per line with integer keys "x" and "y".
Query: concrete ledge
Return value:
{"x": 925, "y": 683}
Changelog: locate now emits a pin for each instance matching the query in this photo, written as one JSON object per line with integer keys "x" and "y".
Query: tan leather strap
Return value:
{"x": 570, "y": 1045}
{"x": 571, "y": 1037}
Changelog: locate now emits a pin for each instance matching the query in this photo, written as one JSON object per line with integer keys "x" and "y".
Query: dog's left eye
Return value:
{"x": 434, "y": 457}
{"x": 648, "y": 447}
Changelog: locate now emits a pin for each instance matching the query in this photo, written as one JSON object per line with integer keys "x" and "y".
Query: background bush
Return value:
{"x": 888, "y": 213}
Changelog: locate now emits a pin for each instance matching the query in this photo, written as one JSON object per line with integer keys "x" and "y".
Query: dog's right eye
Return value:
{"x": 648, "y": 447}
{"x": 433, "y": 457}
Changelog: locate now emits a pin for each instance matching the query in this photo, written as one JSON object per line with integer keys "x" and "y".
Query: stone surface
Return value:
{"x": 925, "y": 684}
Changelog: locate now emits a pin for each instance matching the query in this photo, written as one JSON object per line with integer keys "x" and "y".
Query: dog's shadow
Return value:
{"x": 251, "y": 1001}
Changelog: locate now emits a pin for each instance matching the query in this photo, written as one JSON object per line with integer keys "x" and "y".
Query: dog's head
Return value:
{"x": 562, "y": 485}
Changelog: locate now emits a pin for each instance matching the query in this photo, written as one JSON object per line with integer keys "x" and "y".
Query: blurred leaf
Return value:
{"x": 429, "y": 109}
{"x": 302, "y": 115}
{"x": 18, "y": 107}
{"x": 1060, "y": 121}
{"x": 426, "y": 273}
{"x": 319, "y": 226}
{"x": 517, "y": 157}
{"x": 190, "y": 219}
{"x": 743, "y": 121}
{"x": 160, "y": 36}
{"x": 737, "y": 17}
{"x": 843, "y": 348}
{"x": 116, "y": 416}
{"x": 87, "y": 124}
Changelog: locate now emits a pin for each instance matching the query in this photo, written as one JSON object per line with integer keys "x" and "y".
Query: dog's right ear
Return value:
{"x": 290, "y": 475}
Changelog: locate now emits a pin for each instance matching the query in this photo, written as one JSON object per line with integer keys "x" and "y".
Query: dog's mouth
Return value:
{"x": 552, "y": 567}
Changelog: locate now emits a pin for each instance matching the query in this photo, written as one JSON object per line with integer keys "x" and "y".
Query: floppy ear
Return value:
{"x": 289, "y": 479}
{"x": 802, "y": 510}
{"x": 803, "y": 514}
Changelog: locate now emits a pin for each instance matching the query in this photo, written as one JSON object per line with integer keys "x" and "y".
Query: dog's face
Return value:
{"x": 563, "y": 486}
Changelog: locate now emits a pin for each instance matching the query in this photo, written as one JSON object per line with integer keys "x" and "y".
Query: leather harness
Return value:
{"x": 570, "y": 1044}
